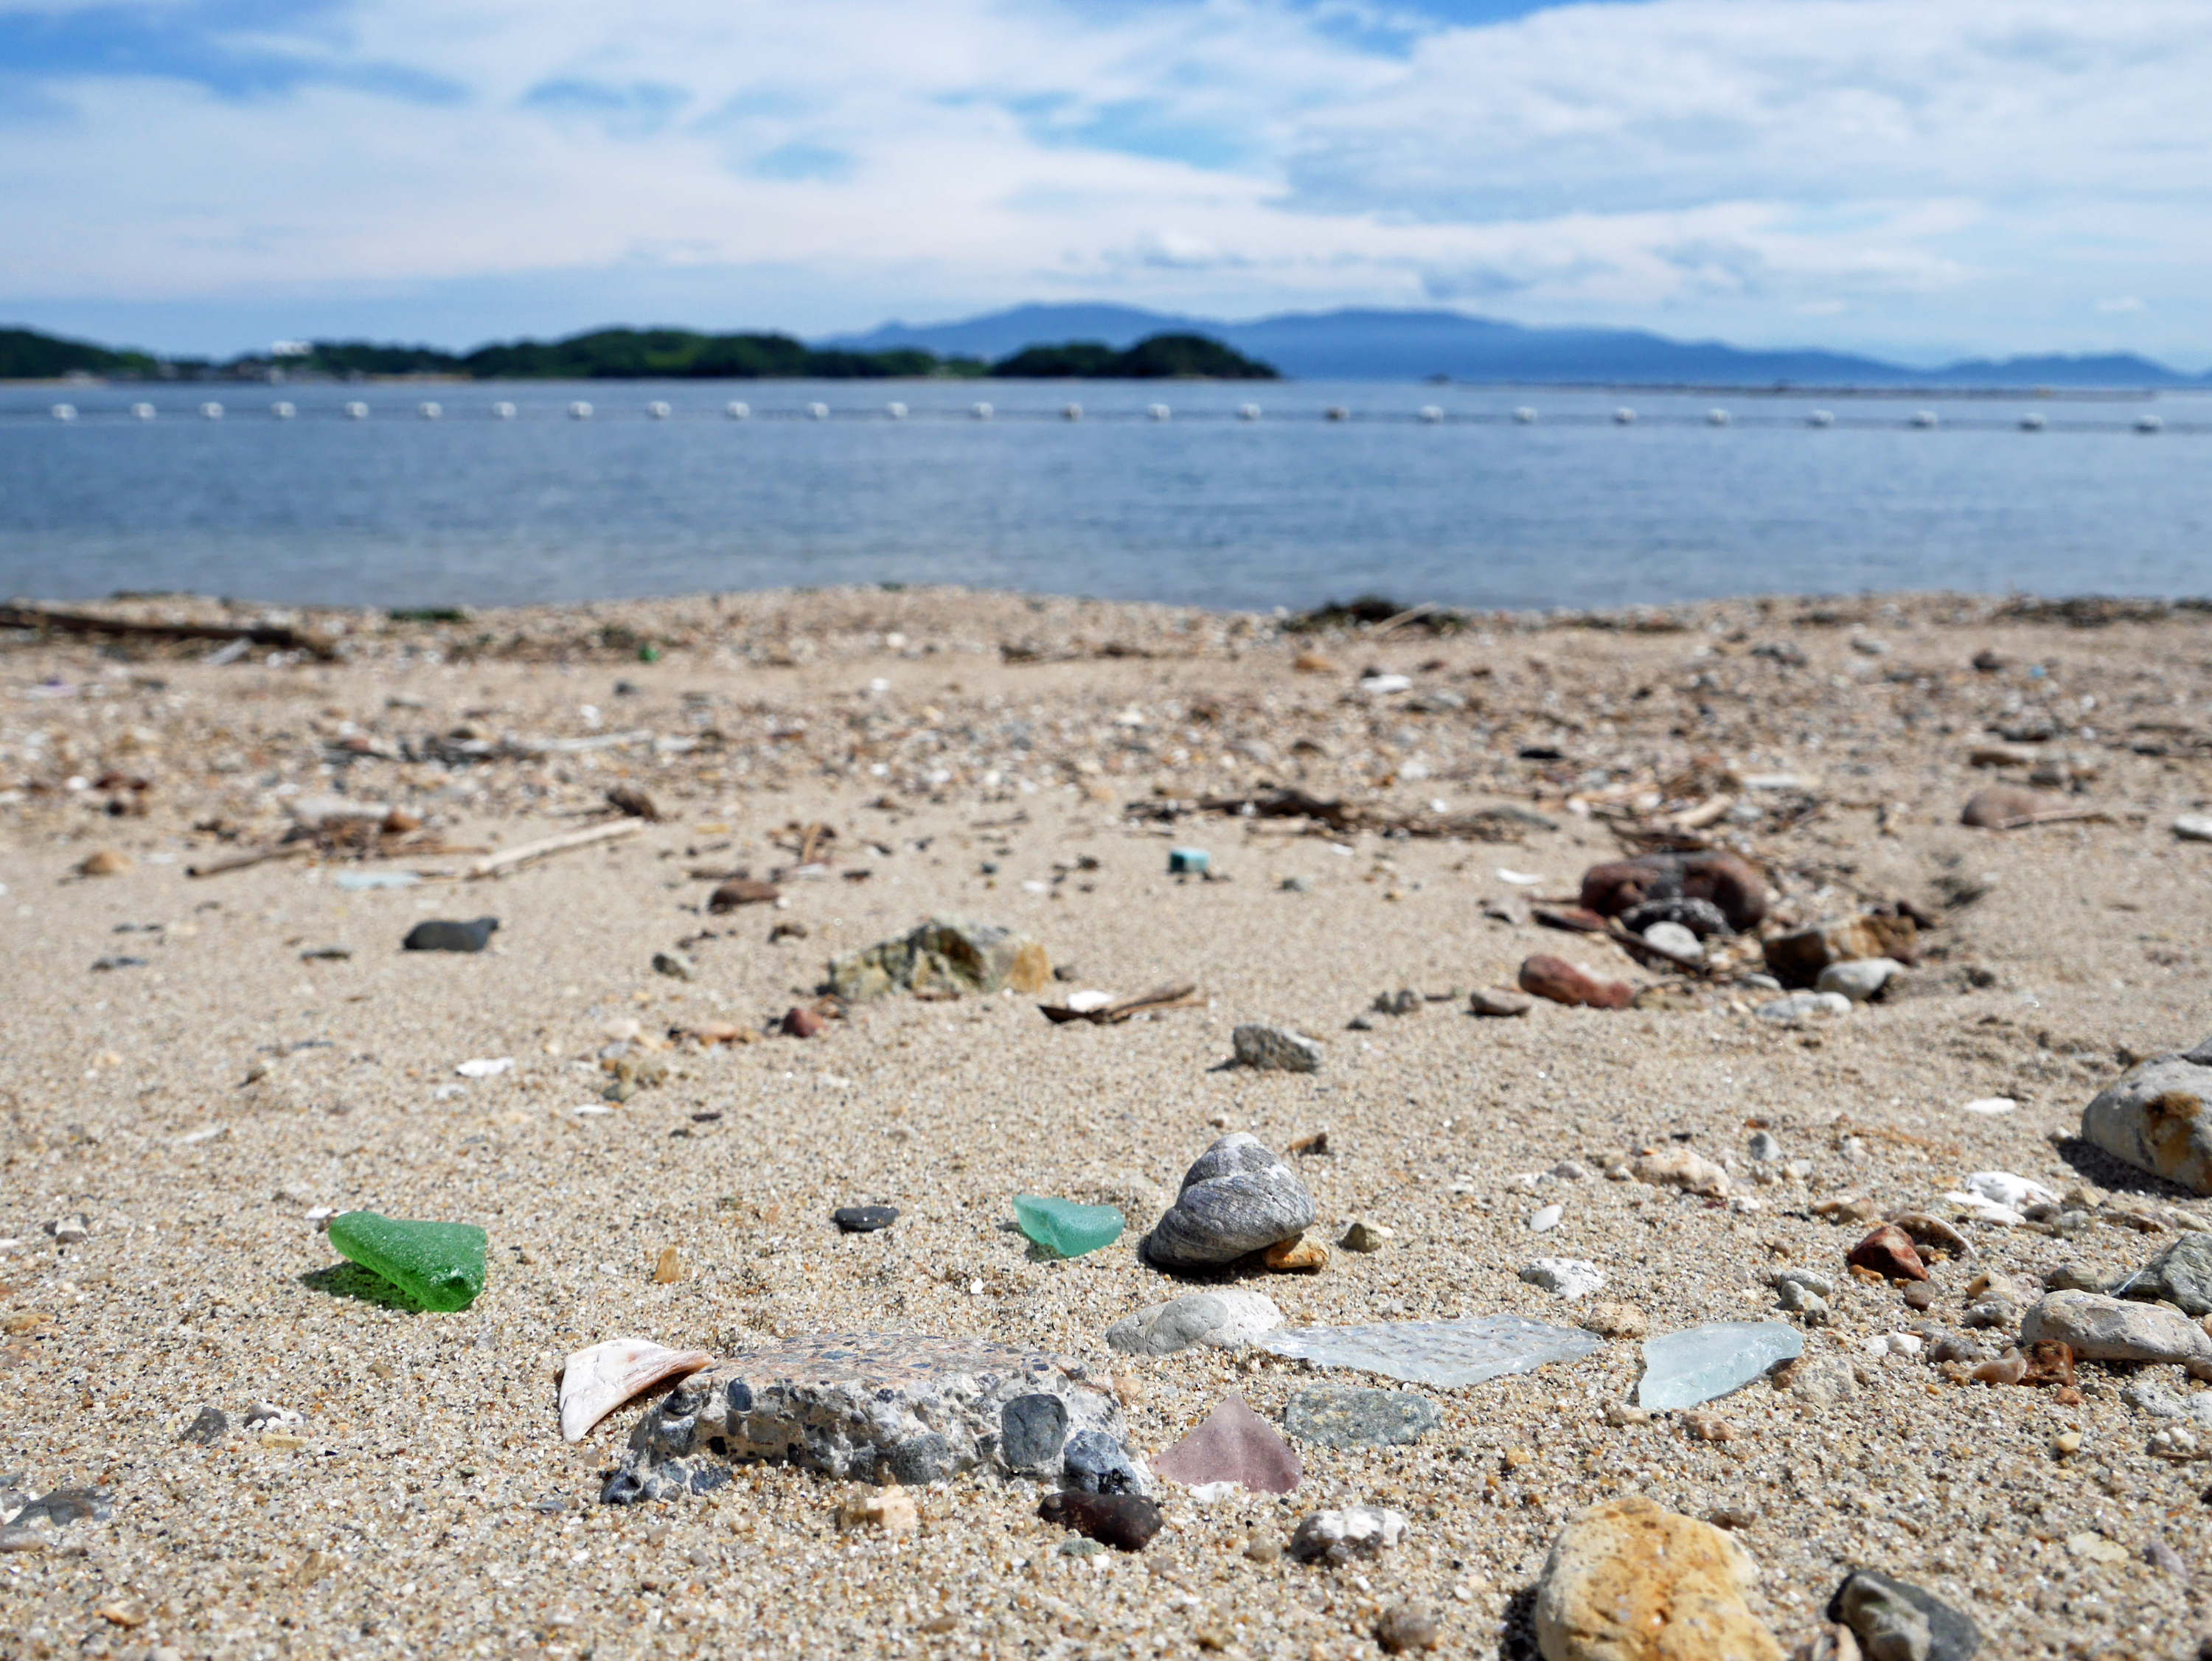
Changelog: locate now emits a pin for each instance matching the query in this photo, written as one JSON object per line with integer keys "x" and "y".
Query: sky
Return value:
{"x": 1920, "y": 178}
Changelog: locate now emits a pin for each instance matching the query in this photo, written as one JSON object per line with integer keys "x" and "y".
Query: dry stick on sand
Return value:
{"x": 613, "y": 830}
{"x": 2066, "y": 816}
{"x": 282, "y": 635}
{"x": 241, "y": 862}
{"x": 1182, "y": 995}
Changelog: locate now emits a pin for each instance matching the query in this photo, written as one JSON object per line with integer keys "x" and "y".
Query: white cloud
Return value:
{"x": 1977, "y": 175}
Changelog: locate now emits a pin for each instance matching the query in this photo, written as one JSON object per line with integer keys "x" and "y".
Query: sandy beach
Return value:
{"x": 1029, "y": 762}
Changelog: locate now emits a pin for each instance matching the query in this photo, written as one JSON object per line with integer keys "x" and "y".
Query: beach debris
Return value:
{"x": 441, "y": 935}
{"x": 1235, "y": 1444}
{"x": 106, "y": 862}
{"x": 282, "y": 636}
{"x": 598, "y": 1379}
{"x": 2009, "y": 807}
{"x": 1570, "y": 1277}
{"x": 2181, "y": 1274}
{"x": 2098, "y": 1328}
{"x": 944, "y": 956}
{"x": 1278, "y": 1048}
{"x": 630, "y": 800}
{"x": 1362, "y": 1236}
{"x": 1495, "y": 1002}
{"x": 1673, "y": 939}
{"x": 902, "y": 1408}
{"x": 209, "y": 1426}
{"x": 799, "y": 1021}
{"x": 1126, "y": 1522}
{"x": 1893, "y": 1621}
{"x": 743, "y": 891}
{"x": 1700, "y": 1364}
{"x": 490, "y": 1067}
{"x": 1345, "y": 1416}
{"x": 1863, "y": 980}
{"x": 1889, "y": 1252}
{"x": 886, "y": 1510}
{"x": 2154, "y": 1118}
{"x": 1065, "y": 1228}
{"x": 668, "y": 1268}
{"x": 117, "y": 960}
{"x": 1723, "y": 881}
{"x": 1563, "y": 982}
{"x": 1237, "y": 1197}
{"x": 1103, "y": 1009}
{"x": 1406, "y": 1627}
{"x": 1341, "y": 1536}
{"x": 1189, "y": 862}
{"x": 675, "y": 964}
{"x": 1800, "y": 1006}
{"x": 1681, "y": 1167}
{"x": 438, "y": 1264}
{"x": 1227, "y": 1319}
{"x": 1304, "y": 1255}
{"x": 1628, "y": 1580}
{"x": 2193, "y": 827}
{"x": 1799, "y": 957}
{"x": 864, "y": 1219}
{"x": 507, "y": 859}
{"x": 1446, "y": 1354}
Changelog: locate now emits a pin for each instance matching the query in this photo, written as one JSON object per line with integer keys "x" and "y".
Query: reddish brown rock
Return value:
{"x": 1796, "y": 959}
{"x": 1126, "y": 1522}
{"x": 1563, "y": 983}
{"x": 742, "y": 891}
{"x": 801, "y": 1023}
{"x": 1888, "y": 1252}
{"x": 2049, "y": 1362}
{"x": 1723, "y": 879}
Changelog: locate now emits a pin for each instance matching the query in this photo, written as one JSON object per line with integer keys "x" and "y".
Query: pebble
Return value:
{"x": 1364, "y": 1236}
{"x": 1763, "y": 1148}
{"x": 743, "y": 891}
{"x": 1723, "y": 881}
{"x": 1275, "y": 1048}
{"x": 1627, "y": 1580}
{"x": 1615, "y": 1320}
{"x": 1998, "y": 805}
{"x": 1227, "y": 1319}
{"x": 1563, "y": 982}
{"x": 1678, "y": 1168}
{"x": 1800, "y": 1006}
{"x": 1339, "y": 1536}
{"x": 1304, "y": 1255}
{"x": 1236, "y": 1198}
{"x": 799, "y": 1021}
{"x": 1800, "y": 1300}
{"x": 946, "y": 954}
{"x": 1233, "y": 1444}
{"x": 1545, "y": 1218}
{"x": 886, "y": 1510}
{"x": 1888, "y": 1252}
{"x": 2102, "y": 1329}
{"x": 2193, "y": 827}
{"x": 1894, "y": 1621}
{"x": 105, "y": 861}
{"x": 1861, "y": 980}
{"x": 675, "y": 966}
{"x": 2154, "y": 1118}
{"x": 207, "y": 1429}
{"x": 1404, "y": 1627}
{"x": 1263, "y": 1546}
{"x": 1669, "y": 937}
{"x": 1823, "y": 1380}
{"x": 1570, "y": 1277}
{"x": 864, "y": 1219}
{"x": 1126, "y": 1522}
{"x": 440, "y": 935}
{"x": 1343, "y": 1416}
{"x": 1491, "y": 1001}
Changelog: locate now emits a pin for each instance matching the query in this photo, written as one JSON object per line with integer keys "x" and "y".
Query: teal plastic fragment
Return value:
{"x": 1700, "y": 1363}
{"x": 1063, "y": 1227}
{"x": 1188, "y": 862}
{"x": 438, "y": 1264}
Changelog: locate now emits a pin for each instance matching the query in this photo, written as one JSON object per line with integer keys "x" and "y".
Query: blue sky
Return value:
{"x": 1920, "y": 177}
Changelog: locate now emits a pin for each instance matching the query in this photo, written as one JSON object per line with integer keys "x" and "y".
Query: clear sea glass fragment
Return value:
{"x": 1681, "y": 1369}
{"x": 1443, "y": 1353}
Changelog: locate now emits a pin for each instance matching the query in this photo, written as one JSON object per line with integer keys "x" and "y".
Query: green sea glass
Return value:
{"x": 438, "y": 1264}
{"x": 1063, "y": 1227}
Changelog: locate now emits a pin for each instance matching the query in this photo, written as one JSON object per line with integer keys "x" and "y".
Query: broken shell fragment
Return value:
{"x": 599, "y": 1380}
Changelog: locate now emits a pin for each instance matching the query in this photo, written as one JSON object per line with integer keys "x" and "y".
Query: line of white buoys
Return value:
{"x": 736, "y": 411}
{"x": 981, "y": 411}
{"x": 1716, "y": 418}
{"x": 1925, "y": 419}
{"x": 429, "y": 411}
{"x": 283, "y": 409}
{"x": 1624, "y": 416}
{"x": 1247, "y": 412}
{"x": 502, "y": 410}
{"x": 2032, "y": 421}
{"x": 896, "y": 410}
{"x": 580, "y": 410}
{"x": 1431, "y": 413}
{"x": 143, "y": 411}
{"x": 1337, "y": 412}
{"x": 1820, "y": 418}
{"x": 2149, "y": 424}
{"x": 1157, "y": 411}
{"x": 817, "y": 412}
{"x": 658, "y": 411}
{"x": 212, "y": 411}
{"x": 356, "y": 410}
{"x": 64, "y": 412}
{"x": 1072, "y": 412}
{"x": 1525, "y": 415}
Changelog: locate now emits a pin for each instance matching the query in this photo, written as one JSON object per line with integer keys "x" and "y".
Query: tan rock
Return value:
{"x": 886, "y": 1510}
{"x": 1615, "y": 1320}
{"x": 1629, "y": 1581}
{"x": 1678, "y": 1168}
{"x": 1305, "y": 1253}
{"x": 105, "y": 861}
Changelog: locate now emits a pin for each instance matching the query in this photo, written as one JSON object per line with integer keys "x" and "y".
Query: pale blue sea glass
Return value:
{"x": 1681, "y": 1369}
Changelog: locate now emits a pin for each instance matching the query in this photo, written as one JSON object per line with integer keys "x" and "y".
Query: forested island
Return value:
{"x": 636, "y": 354}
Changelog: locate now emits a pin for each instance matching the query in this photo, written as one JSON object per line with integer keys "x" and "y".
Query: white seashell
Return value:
{"x": 1084, "y": 1003}
{"x": 599, "y": 1380}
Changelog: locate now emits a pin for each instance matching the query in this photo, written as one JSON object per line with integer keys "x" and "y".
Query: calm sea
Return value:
{"x": 1474, "y": 508}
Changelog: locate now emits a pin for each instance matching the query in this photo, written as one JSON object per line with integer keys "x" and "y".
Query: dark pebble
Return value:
{"x": 119, "y": 963}
{"x": 1874, "y": 1606}
{"x": 207, "y": 1429}
{"x": 864, "y": 1219}
{"x": 1126, "y": 1522}
{"x": 438, "y": 935}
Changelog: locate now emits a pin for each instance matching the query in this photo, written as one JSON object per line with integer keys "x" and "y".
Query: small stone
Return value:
{"x": 799, "y": 1021}
{"x": 2181, "y": 1274}
{"x": 1570, "y": 1277}
{"x": 1709, "y": 1427}
{"x": 1763, "y": 1148}
{"x": 1620, "y": 1416}
{"x": 1237, "y": 1197}
{"x": 1403, "y": 1627}
{"x": 886, "y": 1510}
{"x": 743, "y": 891}
{"x": 1227, "y": 1319}
{"x": 1919, "y": 1296}
{"x": 105, "y": 861}
{"x": 1628, "y": 1581}
{"x": 2073, "y": 1277}
{"x": 1065, "y": 1228}
{"x": 1545, "y": 1218}
{"x": 1275, "y": 1048}
{"x": 1126, "y": 1522}
{"x": 2154, "y": 1119}
{"x": 1491, "y": 1001}
{"x": 1799, "y": 1006}
{"x": 1032, "y": 1432}
{"x": 945, "y": 954}
{"x": 669, "y": 1269}
{"x": 1721, "y": 880}
{"x": 1799, "y": 1300}
{"x": 1798, "y": 958}
{"x": 73, "y": 1230}
{"x": 1297, "y": 885}
{"x": 1895, "y": 1621}
{"x": 1615, "y": 1320}
{"x": 1342, "y": 1416}
{"x": 2161, "y": 1555}
{"x": 1671, "y": 937}
{"x": 1823, "y": 1380}
{"x": 438, "y": 935}
{"x": 1233, "y": 1444}
{"x": 1678, "y": 1168}
{"x": 1863, "y": 980}
{"x": 1888, "y": 1252}
{"x": 1097, "y": 1463}
{"x": 675, "y": 964}
{"x": 1563, "y": 982}
{"x": 1304, "y": 1255}
{"x": 2102, "y": 1329}
{"x": 1701, "y": 1363}
{"x": 2193, "y": 827}
{"x": 1339, "y": 1536}
{"x": 207, "y": 1429}
{"x": 2001, "y": 805}
{"x": 1362, "y": 1236}
{"x": 1264, "y": 1546}
{"x": 1569, "y": 1170}
{"x": 864, "y": 1219}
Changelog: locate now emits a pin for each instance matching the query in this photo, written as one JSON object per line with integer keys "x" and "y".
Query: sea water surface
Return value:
{"x": 1469, "y": 506}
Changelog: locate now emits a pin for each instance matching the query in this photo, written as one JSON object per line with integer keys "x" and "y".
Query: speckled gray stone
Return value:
{"x": 1237, "y": 1199}
{"x": 2182, "y": 1275}
{"x": 1276, "y": 1048}
{"x": 2155, "y": 1117}
{"x": 1342, "y": 1416}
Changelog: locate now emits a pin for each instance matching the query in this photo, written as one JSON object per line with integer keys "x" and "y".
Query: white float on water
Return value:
{"x": 1923, "y": 419}
{"x": 356, "y": 410}
{"x": 1820, "y": 418}
{"x": 282, "y": 409}
{"x": 981, "y": 411}
{"x": 1525, "y": 415}
{"x": 658, "y": 411}
{"x": 143, "y": 411}
{"x": 1624, "y": 416}
{"x": 580, "y": 410}
{"x": 212, "y": 411}
{"x": 1157, "y": 411}
{"x": 64, "y": 412}
{"x": 1247, "y": 412}
{"x": 2032, "y": 421}
{"x": 1431, "y": 413}
{"x": 502, "y": 410}
{"x": 736, "y": 411}
{"x": 1072, "y": 412}
{"x": 1716, "y": 418}
{"x": 429, "y": 411}
{"x": 896, "y": 410}
{"x": 817, "y": 412}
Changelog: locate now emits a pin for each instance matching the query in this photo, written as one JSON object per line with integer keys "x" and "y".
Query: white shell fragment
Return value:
{"x": 599, "y": 1380}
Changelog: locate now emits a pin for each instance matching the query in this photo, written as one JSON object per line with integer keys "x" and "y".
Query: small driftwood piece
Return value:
{"x": 1182, "y": 995}
{"x": 281, "y": 635}
{"x": 259, "y": 857}
{"x": 612, "y": 830}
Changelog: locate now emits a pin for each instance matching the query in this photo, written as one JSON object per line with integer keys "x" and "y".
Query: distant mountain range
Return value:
{"x": 1415, "y": 345}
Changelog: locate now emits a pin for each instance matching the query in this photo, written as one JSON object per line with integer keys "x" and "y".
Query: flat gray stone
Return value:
{"x": 1893, "y": 1620}
{"x": 1276, "y": 1048}
{"x": 1340, "y": 1416}
{"x": 2102, "y": 1329}
{"x": 1860, "y": 979}
{"x": 2154, "y": 1119}
{"x": 2182, "y": 1274}
{"x": 878, "y": 1408}
{"x": 1225, "y": 1319}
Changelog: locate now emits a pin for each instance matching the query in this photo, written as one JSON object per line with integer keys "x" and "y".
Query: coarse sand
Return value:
{"x": 1027, "y": 762}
